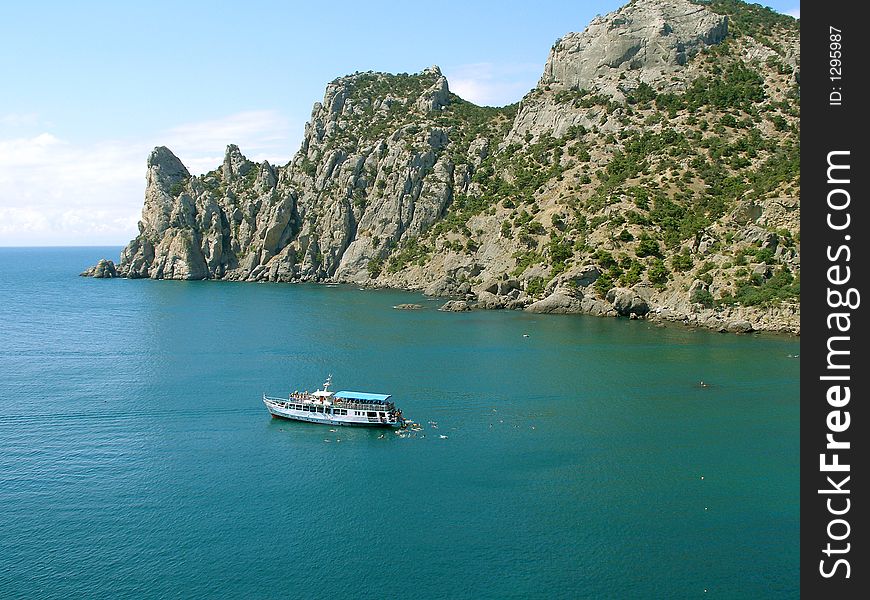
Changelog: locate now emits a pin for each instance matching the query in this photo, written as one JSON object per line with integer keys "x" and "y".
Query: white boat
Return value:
{"x": 359, "y": 409}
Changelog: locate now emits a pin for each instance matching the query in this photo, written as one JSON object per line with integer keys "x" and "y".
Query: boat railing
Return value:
{"x": 366, "y": 407}
{"x": 286, "y": 402}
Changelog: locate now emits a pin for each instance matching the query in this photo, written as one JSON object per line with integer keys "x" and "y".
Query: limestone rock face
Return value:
{"x": 490, "y": 301}
{"x": 444, "y": 286}
{"x": 597, "y": 307}
{"x": 500, "y": 287}
{"x": 180, "y": 257}
{"x": 335, "y": 210}
{"x": 647, "y": 40}
{"x": 627, "y": 303}
{"x": 165, "y": 172}
{"x": 104, "y": 269}
{"x": 455, "y": 306}
{"x": 739, "y": 326}
{"x": 641, "y": 43}
{"x": 578, "y": 277}
{"x": 559, "y": 302}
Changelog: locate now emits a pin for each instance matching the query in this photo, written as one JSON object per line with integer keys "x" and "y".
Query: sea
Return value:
{"x": 558, "y": 456}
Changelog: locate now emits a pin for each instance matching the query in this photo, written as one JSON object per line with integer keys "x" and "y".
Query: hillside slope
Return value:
{"x": 653, "y": 172}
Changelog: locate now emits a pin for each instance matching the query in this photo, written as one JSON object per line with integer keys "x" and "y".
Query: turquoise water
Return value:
{"x": 582, "y": 461}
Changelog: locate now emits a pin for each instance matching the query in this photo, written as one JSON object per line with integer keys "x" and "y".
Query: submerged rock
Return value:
{"x": 408, "y": 307}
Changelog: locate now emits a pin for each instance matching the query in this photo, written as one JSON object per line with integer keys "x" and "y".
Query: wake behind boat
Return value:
{"x": 359, "y": 409}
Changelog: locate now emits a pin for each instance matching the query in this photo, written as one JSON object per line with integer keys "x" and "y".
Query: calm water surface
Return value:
{"x": 582, "y": 461}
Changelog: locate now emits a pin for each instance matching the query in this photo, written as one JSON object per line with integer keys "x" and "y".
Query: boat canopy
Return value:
{"x": 322, "y": 393}
{"x": 362, "y": 396}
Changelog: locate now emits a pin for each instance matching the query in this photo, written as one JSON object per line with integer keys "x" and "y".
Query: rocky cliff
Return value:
{"x": 653, "y": 172}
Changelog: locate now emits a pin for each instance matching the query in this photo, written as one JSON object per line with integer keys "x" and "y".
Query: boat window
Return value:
{"x": 373, "y": 414}
{"x": 320, "y": 409}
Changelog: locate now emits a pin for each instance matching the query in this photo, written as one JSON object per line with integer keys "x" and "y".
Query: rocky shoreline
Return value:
{"x": 506, "y": 294}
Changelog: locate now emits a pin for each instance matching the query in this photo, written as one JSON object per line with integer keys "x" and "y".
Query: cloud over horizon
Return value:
{"x": 63, "y": 192}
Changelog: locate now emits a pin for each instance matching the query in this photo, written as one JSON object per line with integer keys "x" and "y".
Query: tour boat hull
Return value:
{"x": 276, "y": 415}
{"x": 281, "y": 408}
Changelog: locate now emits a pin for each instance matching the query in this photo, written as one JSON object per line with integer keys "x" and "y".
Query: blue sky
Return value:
{"x": 89, "y": 88}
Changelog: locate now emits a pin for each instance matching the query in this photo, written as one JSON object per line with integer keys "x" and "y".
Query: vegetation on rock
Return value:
{"x": 692, "y": 177}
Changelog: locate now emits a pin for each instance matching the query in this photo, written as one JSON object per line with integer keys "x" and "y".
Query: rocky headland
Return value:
{"x": 652, "y": 173}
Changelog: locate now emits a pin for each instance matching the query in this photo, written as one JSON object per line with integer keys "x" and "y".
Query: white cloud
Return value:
{"x": 64, "y": 192}
{"x": 54, "y": 192}
{"x": 795, "y": 12}
{"x": 492, "y": 84}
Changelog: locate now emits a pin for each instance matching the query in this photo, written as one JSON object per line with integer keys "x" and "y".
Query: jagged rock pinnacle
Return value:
{"x": 166, "y": 166}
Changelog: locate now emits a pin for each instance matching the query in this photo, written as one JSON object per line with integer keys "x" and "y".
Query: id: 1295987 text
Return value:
{"x": 835, "y": 65}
